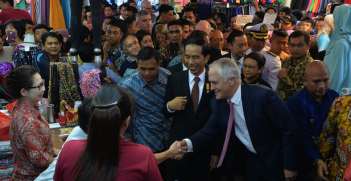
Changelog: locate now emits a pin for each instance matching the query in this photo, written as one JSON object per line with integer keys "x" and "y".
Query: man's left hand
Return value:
{"x": 214, "y": 162}
{"x": 290, "y": 175}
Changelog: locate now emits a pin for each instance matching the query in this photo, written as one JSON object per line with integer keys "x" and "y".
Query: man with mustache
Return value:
{"x": 310, "y": 107}
{"x": 293, "y": 67}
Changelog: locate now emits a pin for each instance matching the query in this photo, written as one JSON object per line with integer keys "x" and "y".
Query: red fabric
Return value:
{"x": 4, "y": 127}
{"x": 137, "y": 162}
{"x": 7, "y": 14}
{"x": 31, "y": 142}
{"x": 10, "y": 106}
{"x": 347, "y": 174}
{"x": 347, "y": 1}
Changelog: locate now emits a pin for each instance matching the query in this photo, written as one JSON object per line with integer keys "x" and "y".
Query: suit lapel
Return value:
{"x": 186, "y": 88}
{"x": 247, "y": 107}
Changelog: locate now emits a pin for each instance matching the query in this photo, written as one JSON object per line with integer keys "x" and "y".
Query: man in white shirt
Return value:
{"x": 263, "y": 126}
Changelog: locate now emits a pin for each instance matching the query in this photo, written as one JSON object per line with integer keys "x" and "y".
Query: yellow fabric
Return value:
{"x": 335, "y": 138}
{"x": 57, "y": 20}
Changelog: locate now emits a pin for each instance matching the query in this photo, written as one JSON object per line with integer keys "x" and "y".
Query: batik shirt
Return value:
{"x": 151, "y": 128}
{"x": 293, "y": 82}
{"x": 335, "y": 139}
{"x": 30, "y": 142}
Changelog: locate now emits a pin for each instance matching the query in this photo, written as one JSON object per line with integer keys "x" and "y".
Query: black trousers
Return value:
{"x": 96, "y": 15}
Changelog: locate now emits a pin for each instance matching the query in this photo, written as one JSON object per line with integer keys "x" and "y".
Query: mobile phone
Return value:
{"x": 11, "y": 36}
{"x": 108, "y": 61}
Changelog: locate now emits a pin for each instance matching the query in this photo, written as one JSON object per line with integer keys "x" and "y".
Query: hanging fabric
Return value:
{"x": 67, "y": 12}
{"x": 57, "y": 20}
{"x": 21, "y": 5}
{"x": 32, "y": 12}
{"x": 38, "y": 11}
{"x": 311, "y": 7}
{"x": 21, "y": 57}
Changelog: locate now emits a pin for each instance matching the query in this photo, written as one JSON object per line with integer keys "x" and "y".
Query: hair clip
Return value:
{"x": 106, "y": 106}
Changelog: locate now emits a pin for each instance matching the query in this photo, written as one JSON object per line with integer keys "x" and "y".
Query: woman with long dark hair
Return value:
{"x": 104, "y": 155}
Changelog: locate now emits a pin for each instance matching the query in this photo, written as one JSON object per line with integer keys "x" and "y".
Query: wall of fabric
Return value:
{"x": 51, "y": 13}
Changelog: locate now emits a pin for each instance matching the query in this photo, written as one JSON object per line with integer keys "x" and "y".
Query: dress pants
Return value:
{"x": 256, "y": 170}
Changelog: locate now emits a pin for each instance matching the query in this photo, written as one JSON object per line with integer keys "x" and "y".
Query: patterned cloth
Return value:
{"x": 167, "y": 53}
{"x": 4, "y": 89}
{"x": 151, "y": 128}
{"x": 68, "y": 85}
{"x": 31, "y": 142}
{"x": 118, "y": 62}
{"x": 90, "y": 82}
{"x": 21, "y": 57}
{"x": 115, "y": 54}
{"x": 174, "y": 61}
{"x": 126, "y": 75}
{"x": 293, "y": 82}
{"x": 335, "y": 139}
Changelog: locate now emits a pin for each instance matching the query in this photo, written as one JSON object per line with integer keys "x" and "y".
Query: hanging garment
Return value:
{"x": 316, "y": 7}
{"x": 321, "y": 6}
{"x": 67, "y": 12}
{"x": 38, "y": 11}
{"x": 21, "y": 5}
{"x": 21, "y": 57}
{"x": 68, "y": 85}
{"x": 57, "y": 20}
{"x": 311, "y": 7}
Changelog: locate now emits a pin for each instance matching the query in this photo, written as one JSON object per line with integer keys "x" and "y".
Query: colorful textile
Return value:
{"x": 151, "y": 128}
{"x": 4, "y": 89}
{"x": 174, "y": 61}
{"x": 90, "y": 82}
{"x": 293, "y": 82}
{"x": 68, "y": 85}
{"x": 335, "y": 139}
{"x": 126, "y": 75}
{"x": 57, "y": 20}
{"x": 31, "y": 142}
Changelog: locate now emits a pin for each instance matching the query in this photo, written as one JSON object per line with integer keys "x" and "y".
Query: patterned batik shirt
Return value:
{"x": 293, "y": 82}
{"x": 151, "y": 128}
{"x": 30, "y": 142}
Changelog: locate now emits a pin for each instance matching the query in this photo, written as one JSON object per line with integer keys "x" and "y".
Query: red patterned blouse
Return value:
{"x": 30, "y": 141}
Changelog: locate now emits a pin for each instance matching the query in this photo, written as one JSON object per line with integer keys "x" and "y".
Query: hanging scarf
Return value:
{"x": 68, "y": 85}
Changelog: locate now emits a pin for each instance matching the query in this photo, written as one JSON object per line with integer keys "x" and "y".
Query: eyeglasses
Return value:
{"x": 149, "y": 9}
{"x": 40, "y": 86}
{"x": 249, "y": 67}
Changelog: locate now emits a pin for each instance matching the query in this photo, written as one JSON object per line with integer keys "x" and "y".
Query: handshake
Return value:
{"x": 177, "y": 150}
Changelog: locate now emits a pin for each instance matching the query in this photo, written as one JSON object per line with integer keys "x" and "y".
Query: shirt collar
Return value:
{"x": 201, "y": 76}
{"x": 241, "y": 60}
{"x": 237, "y": 96}
{"x": 130, "y": 59}
{"x": 310, "y": 98}
{"x": 184, "y": 67}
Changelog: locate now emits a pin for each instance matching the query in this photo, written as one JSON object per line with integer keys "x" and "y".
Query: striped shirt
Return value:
{"x": 151, "y": 128}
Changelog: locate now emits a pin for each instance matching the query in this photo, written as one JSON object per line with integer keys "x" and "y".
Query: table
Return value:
{"x": 56, "y": 140}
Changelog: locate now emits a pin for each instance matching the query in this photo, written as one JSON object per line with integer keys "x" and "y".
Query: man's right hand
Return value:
{"x": 177, "y": 104}
{"x": 181, "y": 145}
{"x": 322, "y": 170}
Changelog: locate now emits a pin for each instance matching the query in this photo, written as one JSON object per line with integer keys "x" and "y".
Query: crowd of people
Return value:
{"x": 203, "y": 100}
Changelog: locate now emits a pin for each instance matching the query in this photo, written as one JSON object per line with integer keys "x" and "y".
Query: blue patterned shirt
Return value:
{"x": 151, "y": 128}
{"x": 174, "y": 61}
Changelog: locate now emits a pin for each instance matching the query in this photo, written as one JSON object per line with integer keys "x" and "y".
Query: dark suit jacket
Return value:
{"x": 176, "y": 68}
{"x": 271, "y": 127}
{"x": 228, "y": 55}
{"x": 215, "y": 52}
{"x": 186, "y": 122}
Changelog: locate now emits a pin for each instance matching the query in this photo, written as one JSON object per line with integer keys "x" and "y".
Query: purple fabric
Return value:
{"x": 103, "y": 16}
{"x": 64, "y": 32}
{"x": 5, "y": 68}
{"x": 47, "y": 12}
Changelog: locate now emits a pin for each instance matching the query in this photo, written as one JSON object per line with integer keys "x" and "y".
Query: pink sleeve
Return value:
{"x": 58, "y": 168}
{"x": 153, "y": 172}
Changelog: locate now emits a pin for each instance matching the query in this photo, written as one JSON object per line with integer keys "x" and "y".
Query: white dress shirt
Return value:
{"x": 192, "y": 82}
{"x": 241, "y": 62}
{"x": 184, "y": 67}
{"x": 241, "y": 131}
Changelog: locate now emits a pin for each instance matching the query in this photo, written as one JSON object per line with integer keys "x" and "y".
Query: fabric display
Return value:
{"x": 63, "y": 84}
{"x": 313, "y": 6}
{"x": 6, "y": 161}
{"x": 4, "y": 89}
{"x": 24, "y": 55}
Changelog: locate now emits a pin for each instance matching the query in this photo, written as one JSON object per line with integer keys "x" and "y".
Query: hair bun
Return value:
{"x": 11, "y": 77}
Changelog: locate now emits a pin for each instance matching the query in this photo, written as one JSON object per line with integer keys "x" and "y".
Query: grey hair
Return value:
{"x": 140, "y": 14}
{"x": 226, "y": 68}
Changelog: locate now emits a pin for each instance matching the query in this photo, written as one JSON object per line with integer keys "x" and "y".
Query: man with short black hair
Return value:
{"x": 108, "y": 10}
{"x": 131, "y": 11}
{"x": 279, "y": 42}
{"x": 307, "y": 24}
{"x": 192, "y": 26}
{"x": 222, "y": 18}
{"x": 130, "y": 26}
{"x": 143, "y": 20}
{"x": 166, "y": 14}
{"x": 179, "y": 63}
{"x": 38, "y": 30}
{"x": 189, "y": 14}
{"x": 284, "y": 11}
{"x": 288, "y": 22}
{"x": 130, "y": 46}
{"x": 122, "y": 11}
{"x": 293, "y": 67}
{"x": 233, "y": 25}
{"x": 106, "y": 21}
{"x": 186, "y": 28}
{"x": 226, "y": 33}
{"x": 8, "y": 12}
{"x": 28, "y": 24}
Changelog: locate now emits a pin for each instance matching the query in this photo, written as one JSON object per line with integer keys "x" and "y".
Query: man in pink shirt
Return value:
{"x": 8, "y": 12}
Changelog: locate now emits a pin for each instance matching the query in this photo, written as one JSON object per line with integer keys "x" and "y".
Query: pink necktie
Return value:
{"x": 227, "y": 136}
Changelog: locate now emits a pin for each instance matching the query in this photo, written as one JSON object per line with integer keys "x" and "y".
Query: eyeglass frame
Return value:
{"x": 39, "y": 86}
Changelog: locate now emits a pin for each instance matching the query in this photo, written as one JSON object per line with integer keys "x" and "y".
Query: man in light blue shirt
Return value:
{"x": 86, "y": 53}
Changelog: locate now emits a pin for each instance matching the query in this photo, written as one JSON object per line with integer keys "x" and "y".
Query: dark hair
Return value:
{"x": 269, "y": 9}
{"x": 297, "y": 13}
{"x": 308, "y": 20}
{"x": 108, "y": 5}
{"x": 19, "y": 26}
{"x": 279, "y": 33}
{"x": 26, "y": 21}
{"x": 260, "y": 14}
{"x": 124, "y": 37}
{"x": 286, "y": 10}
{"x": 260, "y": 59}
{"x": 319, "y": 19}
{"x": 233, "y": 35}
{"x": 110, "y": 17}
{"x": 147, "y": 53}
{"x": 20, "y": 78}
{"x": 140, "y": 35}
{"x": 86, "y": 51}
{"x": 198, "y": 34}
{"x": 213, "y": 25}
{"x": 189, "y": 9}
{"x": 131, "y": 2}
{"x": 182, "y": 45}
{"x": 164, "y": 8}
{"x": 223, "y": 17}
{"x": 234, "y": 15}
{"x": 127, "y": 23}
{"x": 91, "y": 35}
{"x": 226, "y": 31}
{"x": 117, "y": 23}
{"x": 10, "y": 2}
{"x": 131, "y": 8}
{"x": 300, "y": 33}
{"x": 51, "y": 34}
{"x": 2, "y": 29}
{"x": 185, "y": 22}
{"x": 320, "y": 55}
{"x": 41, "y": 26}
{"x": 206, "y": 48}
{"x": 175, "y": 22}
{"x": 98, "y": 160}
{"x": 313, "y": 49}
{"x": 248, "y": 24}
{"x": 124, "y": 5}
{"x": 84, "y": 113}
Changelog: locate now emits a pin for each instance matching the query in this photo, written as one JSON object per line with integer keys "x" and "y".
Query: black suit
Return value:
{"x": 215, "y": 52}
{"x": 176, "y": 68}
{"x": 186, "y": 123}
{"x": 228, "y": 55}
{"x": 272, "y": 130}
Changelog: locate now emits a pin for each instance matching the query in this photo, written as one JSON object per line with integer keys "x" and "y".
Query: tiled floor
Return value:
{"x": 57, "y": 141}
